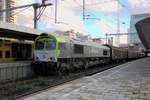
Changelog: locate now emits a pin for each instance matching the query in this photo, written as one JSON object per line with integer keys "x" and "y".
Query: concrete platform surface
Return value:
{"x": 130, "y": 81}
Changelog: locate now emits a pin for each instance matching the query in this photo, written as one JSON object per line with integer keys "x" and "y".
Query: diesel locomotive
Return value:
{"x": 60, "y": 54}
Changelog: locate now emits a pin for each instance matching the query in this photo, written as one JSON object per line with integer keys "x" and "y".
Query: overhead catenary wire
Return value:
{"x": 77, "y": 3}
{"x": 66, "y": 23}
{"x": 73, "y": 26}
{"x": 70, "y": 25}
{"x": 13, "y": 14}
{"x": 41, "y": 11}
{"x": 21, "y": 11}
{"x": 35, "y": 7}
{"x": 99, "y": 3}
{"x": 87, "y": 5}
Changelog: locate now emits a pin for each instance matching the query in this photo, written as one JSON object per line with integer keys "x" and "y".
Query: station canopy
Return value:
{"x": 143, "y": 30}
{"x": 8, "y": 30}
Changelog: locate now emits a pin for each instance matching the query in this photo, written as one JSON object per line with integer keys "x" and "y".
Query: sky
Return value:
{"x": 100, "y": 15}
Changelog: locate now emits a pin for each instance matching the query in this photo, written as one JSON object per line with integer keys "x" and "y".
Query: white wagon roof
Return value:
{"x": 89, "y": 43}
{"x": 81, "y": 42}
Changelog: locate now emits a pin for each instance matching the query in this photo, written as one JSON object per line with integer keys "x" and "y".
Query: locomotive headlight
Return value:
{"x": 37, "y": 58}
{"x": 52, "y": 58}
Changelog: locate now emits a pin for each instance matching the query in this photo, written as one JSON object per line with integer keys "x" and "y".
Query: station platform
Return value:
{"x": 130, "y": 81}
{"x": 14, "y": 64}
{"x": 14, "y": 70}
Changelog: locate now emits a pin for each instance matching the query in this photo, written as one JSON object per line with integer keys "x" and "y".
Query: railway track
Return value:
{"x": 48, "y": 82}
{"x": 22, "y": 88}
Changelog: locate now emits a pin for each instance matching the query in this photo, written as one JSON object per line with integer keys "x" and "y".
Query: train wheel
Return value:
{"x": 62, "y": 70}
{"x": 86, "y": 65}
{"x": 35, "y": 68}
{"x": 58, "y": 70}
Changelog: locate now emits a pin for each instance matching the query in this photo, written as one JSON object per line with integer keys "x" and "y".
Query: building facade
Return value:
{"x": 71, "y": 34}
{"x": 8, "y": 16}
{"x": 99, "y": 40}
{"x": 134, "y": 38}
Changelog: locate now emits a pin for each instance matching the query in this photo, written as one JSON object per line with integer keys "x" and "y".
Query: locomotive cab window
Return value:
{"x": 78, "y": 49}
{"x": 105, "y": 52}
{"x": 39, "y": 45}
{"x": 51, "y": 45}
